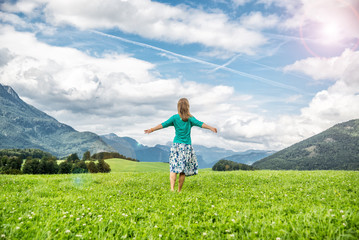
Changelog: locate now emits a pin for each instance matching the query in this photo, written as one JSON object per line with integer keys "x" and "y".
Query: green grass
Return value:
{"x": 212, "y": 205}
{"x": 121, "y": 165}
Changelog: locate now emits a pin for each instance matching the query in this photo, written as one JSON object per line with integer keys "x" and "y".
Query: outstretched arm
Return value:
{"x": 158, "y": 127}
{"x": 209, "y": 127}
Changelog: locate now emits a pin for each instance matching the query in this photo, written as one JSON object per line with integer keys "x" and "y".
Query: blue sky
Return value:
{"x": 266, "y": 73}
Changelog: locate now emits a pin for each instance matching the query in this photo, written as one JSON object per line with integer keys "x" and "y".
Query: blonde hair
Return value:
{"x": 183, "y": 109}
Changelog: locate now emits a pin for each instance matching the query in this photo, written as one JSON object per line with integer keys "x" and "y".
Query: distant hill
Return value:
{"x": 226, "y": 165}
{"x": 24, "y": 126}
{"x": 336, "y": 148}
{"x": 121, "y": 165}
{"x": 249, "y": 157}
{"x": 206, "y": 157}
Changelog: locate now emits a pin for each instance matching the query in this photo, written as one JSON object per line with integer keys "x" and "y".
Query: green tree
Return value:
{"x": 92, "y": 168}
{"x": 73, "y": 158}
{"x": 42, "y": 166}
{"x": 103, "y": 166}
{"x": 31, "y": 166}
{"x": 52, "y": 166}
{"x": 86, "y": 156}
{"x": 79, "y": 167}
{"x": 65, "y": 167}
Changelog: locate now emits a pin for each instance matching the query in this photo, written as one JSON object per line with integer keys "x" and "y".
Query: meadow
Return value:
{"x": 134, "y": 202}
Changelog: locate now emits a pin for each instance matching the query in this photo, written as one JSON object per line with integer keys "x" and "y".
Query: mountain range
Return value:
{"x": 336, "y": 148}
{"x": 206, "y": 156}
{"x": 24, "y": 126}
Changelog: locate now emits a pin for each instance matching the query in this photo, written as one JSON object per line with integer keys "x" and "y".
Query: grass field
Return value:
{"x": 120, "y": 165}
{"x": 212, "y": 205}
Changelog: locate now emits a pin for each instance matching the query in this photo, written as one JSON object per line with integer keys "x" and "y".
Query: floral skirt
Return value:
{"x": 183, "y": 159}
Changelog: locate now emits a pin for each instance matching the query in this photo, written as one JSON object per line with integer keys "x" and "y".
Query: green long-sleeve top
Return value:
{"x": 183, "y": 129}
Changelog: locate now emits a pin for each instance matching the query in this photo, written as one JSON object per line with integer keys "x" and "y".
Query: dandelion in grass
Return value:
{"x": 79, "y": 235}
{"x": 344, "y": 224}
{"x": 232, "y": 235}
{"x": 204, "y": 234}
{"x": 160, "y": 235}
{"x": 17, "y": 228}
{"x": 278, "y": 238}
{"x": 67, "y": 231}
{"x": 341, "y": 211}
{"x": 3, "y": 235}
{"x": 77, "y": 219}
{"x": 84, "y": 224}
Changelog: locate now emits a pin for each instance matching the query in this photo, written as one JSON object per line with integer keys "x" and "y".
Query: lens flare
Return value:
{"x": 330, "y": 32}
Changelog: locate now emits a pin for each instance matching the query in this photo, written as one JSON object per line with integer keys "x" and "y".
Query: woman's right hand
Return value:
{"x": 148, "y": 131}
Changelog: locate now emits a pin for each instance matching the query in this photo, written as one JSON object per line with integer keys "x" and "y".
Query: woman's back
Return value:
{"x": 183, "y": 128}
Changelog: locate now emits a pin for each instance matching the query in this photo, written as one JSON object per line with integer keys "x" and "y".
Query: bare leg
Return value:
{"x": 181, "y": 181}
{"x": 173, "y": 177}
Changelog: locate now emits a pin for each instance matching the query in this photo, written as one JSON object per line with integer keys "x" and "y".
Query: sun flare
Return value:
{"x": 330, "y": 33}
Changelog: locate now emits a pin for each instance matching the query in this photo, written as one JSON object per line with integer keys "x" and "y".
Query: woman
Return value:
{"x": 182, "y": 158}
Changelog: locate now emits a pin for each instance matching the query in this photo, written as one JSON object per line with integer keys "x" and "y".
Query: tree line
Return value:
{"x": 107, "y": 155}
{"x": 47, "y": 164}
{"x": 226, "y": 165}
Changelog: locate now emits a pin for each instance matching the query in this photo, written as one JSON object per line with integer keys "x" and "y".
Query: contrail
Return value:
{"x": 226, "y": 64}
{"x": 223, "y": 67}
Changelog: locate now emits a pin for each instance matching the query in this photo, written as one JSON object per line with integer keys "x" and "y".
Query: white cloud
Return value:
{"x": 26, "y": 6}
{"x": 336, "y": 104}
{"x": 178, "y": 24}
{"x": 12, "y": 19}
{"x": 325, "y": 68}
{"x": 326, "y": 14}
{"x": 256, "y": 20}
